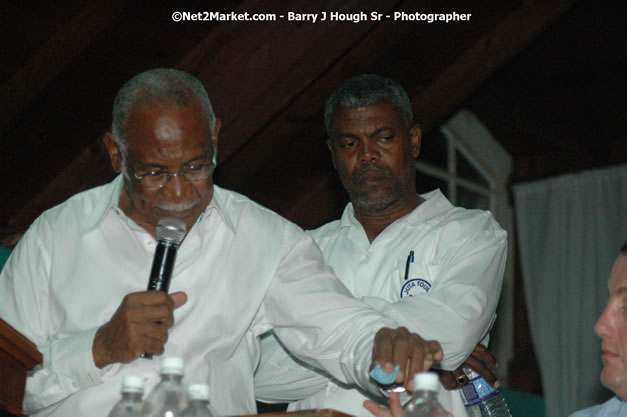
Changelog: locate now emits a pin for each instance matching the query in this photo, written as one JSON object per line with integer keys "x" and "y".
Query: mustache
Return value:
{"x": 369, "y": 171}
{"x": 181, "y": 206}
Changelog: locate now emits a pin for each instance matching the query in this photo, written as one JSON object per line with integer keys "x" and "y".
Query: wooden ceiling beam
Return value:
{"x": 437, "y": 91}
{"x": 255, "y": 71}
{"x": 484, "y": 56}
{"x": 269, "y": 82}
{"x": 251, "y": 71}
{"x": 59, "y": 51}
{"x": 301, "y": 121}
{"x": 76, "y": 177}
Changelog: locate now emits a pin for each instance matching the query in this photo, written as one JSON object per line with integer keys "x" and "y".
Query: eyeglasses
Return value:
{"x": 158, "y": 179}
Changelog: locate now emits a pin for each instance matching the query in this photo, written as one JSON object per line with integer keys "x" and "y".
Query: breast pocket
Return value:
{"x": 416, "y": 278}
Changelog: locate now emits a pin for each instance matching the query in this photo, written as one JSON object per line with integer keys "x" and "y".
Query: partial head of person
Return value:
{"x": 163, "y": 140}
{"x": 374, "y": 143}
{"x": 612, "y": 329}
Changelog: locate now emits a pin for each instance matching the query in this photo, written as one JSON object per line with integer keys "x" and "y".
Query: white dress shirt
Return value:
{"x": 448, "y": 292}
{"x": 244, "y": 268}
{"x": 614, "y": 407}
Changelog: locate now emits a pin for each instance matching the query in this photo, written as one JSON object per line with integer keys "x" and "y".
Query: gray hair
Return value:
{"x": 365, "y": 90}
{"x": 160, "y": 85}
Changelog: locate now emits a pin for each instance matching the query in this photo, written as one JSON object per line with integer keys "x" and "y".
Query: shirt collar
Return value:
{"x": 218, "y": 204}
{"x": 348, "y": 218}
{"x": 434, "y": 203}
{"x": 109, "y": 199}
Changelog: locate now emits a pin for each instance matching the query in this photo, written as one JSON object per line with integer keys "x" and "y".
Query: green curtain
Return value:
{"x": 524, "y": 404}
{"x": 4, "y": 254}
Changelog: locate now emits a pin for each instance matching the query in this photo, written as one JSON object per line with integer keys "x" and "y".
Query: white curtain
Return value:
{"x": 570, "y": 230}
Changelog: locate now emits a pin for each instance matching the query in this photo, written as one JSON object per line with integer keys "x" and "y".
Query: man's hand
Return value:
{"x": 377, "y": 410}
{"x": 408, "y": 350}
{"x": 481, "y": 361}
{"x": 140, "y": 324}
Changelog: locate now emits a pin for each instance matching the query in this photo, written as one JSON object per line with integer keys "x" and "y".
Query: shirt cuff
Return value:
{"x": 73, "y": 358}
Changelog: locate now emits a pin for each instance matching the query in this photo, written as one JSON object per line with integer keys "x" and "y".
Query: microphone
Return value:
{"x": 170, "y": 233}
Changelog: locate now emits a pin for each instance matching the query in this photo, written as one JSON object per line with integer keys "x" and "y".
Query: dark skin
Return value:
{"x": 400, "y": 347}
{"x": 140, "y": 324}
{"x": 374, "y": 152}
{"x": 162, "y": 137}
{"x": 395, "y": 409}
{"x": 481, "y": 361}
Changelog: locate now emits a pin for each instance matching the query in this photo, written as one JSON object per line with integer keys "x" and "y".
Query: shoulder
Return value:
{"x": 445, "y": 232}
{"x": 79, "y": 212}
{"x": 466, "y": 233}
{"x": 459, "y": 220}
{"x": 442, "y": 217}
{"x": 609, "y": 408}
{"x": 63, "y": 224}
{"x": 247, "y": 216}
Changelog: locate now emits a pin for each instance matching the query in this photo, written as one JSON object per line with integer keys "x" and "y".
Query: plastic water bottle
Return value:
{"x": 481, "y": 399}
{"x": 424, "y": 401}
{"x": 130, "y": 405}
{"x": 199, "y": 402}
{"x": 168, "y": 398}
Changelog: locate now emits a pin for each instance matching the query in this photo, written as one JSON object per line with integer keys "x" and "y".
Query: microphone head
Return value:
{"x": 171, "y": 230}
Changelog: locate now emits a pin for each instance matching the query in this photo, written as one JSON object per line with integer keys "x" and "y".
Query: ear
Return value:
{"x": 115, "y": 155}
{"x": 216, "y": 131}
{"x": 330, "y": 146}
{"x": 216, "y": 137}
{"x": 415, "y": 140}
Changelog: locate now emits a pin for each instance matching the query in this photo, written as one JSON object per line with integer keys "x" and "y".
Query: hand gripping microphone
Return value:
{"x": 170, "y": 233}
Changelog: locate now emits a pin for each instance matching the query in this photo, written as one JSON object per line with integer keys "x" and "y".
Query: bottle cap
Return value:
{"x": 427, "y": 381}
{"x": 198, "y": 391}
{"x": 133, "y": 383}
{"x": 172, "y": 365}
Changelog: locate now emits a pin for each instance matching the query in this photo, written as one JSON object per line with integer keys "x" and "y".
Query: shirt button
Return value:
{"x": 75, "y": 384}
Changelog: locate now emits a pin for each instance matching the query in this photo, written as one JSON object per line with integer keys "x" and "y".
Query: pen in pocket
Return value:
{"x": 410, "y": 258}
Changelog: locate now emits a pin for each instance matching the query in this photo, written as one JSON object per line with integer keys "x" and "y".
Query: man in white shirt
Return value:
{"x": 75, "y": 283}
{"x": 435, "y": 268}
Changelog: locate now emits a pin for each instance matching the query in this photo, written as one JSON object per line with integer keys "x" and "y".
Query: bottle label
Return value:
{"x": 478, "y": 390}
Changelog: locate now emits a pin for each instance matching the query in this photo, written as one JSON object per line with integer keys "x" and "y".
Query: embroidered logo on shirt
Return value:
{"x": 414, "y": 287}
